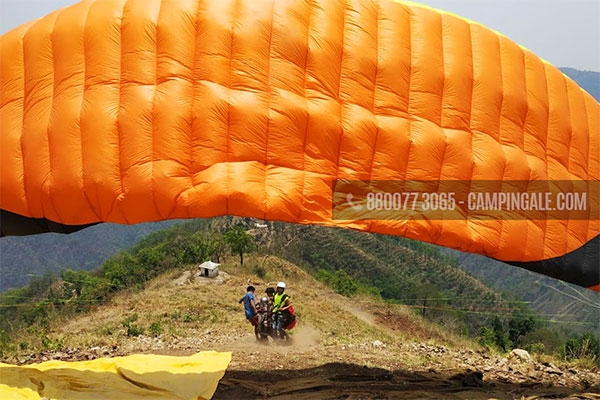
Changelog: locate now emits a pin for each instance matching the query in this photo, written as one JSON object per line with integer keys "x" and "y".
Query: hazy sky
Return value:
{"x": 564, "y": 32}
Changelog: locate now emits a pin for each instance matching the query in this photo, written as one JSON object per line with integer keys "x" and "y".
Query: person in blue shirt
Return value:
{"x": 250, "y": 306}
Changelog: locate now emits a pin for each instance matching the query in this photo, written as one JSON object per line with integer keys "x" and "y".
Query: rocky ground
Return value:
{"x": 366, "y": 371}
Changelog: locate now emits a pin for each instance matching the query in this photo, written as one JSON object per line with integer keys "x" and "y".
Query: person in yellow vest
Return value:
{"x": 281, "y": 304}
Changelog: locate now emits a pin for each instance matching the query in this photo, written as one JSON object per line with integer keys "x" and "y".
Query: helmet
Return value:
{"x": 281, "y": 285}
{"x": 264, "y": 300}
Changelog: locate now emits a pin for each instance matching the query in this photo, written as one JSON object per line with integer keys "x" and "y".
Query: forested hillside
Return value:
{"x": 548, "y": 296}
{"x": 22, "y": 257}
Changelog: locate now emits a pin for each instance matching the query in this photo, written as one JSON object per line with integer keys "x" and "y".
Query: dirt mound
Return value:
{"x": 189, "y": 277}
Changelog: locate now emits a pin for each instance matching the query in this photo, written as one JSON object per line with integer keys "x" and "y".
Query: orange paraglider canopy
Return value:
{"x": 129, "y": 111}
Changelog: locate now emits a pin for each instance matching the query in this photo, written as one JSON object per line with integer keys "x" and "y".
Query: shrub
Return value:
{"x": 129, "y": 320}
{"x": 176, "y": 314}
{"x": 486, "y": 337}
{"x": 535, "y": 348}
{"x": 187, "y": 317}
{"x": 583, "y": 347}
{"x": 132, "y": 329}
{"x": 51, "y": 344}
{"x": 211, "y": 316}
{"x": 155, "y": 328}
{"x": 549, "y": 338}
{"x": 260, "y": 271}
{"x": 107, "y": 331}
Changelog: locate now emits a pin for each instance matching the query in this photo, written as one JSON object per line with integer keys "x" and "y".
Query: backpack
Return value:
{"x": 290, "y": 317}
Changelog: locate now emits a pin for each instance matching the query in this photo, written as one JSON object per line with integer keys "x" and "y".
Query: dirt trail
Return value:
{"x": 352, "y": 308}
{"x": 305, "y": 338}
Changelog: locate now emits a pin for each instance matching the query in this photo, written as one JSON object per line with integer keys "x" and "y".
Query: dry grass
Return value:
{"x": 196, "y": 314}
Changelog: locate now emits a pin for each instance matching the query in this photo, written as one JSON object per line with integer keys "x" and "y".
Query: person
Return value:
{"x": 281, "y": 305}
{"x": 250, "y": 306}
{"x": 264, "y": 304}
{"x": 270, "y": 294}
{"x": 264, "y": 319}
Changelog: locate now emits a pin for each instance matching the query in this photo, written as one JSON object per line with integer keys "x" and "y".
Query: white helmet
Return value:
{"x": 281, "y": 285}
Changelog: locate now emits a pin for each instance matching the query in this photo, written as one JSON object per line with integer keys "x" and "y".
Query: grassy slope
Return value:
{"x": 197, "y": 315}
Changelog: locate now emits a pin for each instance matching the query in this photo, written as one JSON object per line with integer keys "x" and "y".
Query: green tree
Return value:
{"x": 149, "y": 257}
{"x": 339, "y": 280}
{"x": 499, "y": 336}
{"x": 518, "y": 327}
{"x": 216, "y": 247}
{"x": 239, "y": 241}
{"x": 425, "y": 292}
{"x": 486, "y": 337}
{"x": 73, "y": 282}
{"x": 343, "y": 283}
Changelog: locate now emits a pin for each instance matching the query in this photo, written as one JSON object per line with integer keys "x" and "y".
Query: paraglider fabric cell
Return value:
{"x": 131, "y": 111}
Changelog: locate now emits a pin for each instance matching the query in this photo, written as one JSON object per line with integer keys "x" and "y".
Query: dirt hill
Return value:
{"x": 341, "y": 348}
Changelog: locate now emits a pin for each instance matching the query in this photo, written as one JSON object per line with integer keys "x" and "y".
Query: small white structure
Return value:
{"x": 209, "y": 269}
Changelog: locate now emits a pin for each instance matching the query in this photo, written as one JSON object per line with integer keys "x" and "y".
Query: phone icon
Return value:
{"x": 356, "y": 207}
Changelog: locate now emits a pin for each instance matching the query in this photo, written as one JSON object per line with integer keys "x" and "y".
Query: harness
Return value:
{"x": 279, "y": 301}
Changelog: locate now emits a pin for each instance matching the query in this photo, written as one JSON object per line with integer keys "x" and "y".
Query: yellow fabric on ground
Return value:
{"x": 139, "y": 376}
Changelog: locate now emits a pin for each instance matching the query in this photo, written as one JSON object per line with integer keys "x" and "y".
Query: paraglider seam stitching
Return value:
{"x": 569, "y": 147}
{"x": 192, "y": 116}
{"x": 83, "y": 189}
{"x": 441, "y": 123}
{"x": 307, "y": 104}
{"x": 49, "y": 175}
{"x": 499, "y": 134}
{"x": 547, "y": 109}
{"x": 470, "y": 128}
{"x": 409, "y": 120}
{"x": 229, "y": 89}
{"x": 269, "y": 97}
{"x": 23, "y": 121}
{"x": 118, "y": 125}
{"x": 339, "y": 99}
{"x": 153, "y": 116}
{"x": 377, "y": 12}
